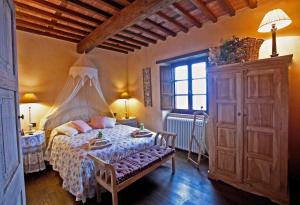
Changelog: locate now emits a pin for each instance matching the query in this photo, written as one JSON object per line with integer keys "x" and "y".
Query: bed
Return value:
{"x": 77, "y": 170}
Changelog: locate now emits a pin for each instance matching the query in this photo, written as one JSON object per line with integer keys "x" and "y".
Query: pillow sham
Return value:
{"x": 101, "y": 122}
{"x": 109, "y": 122}
{"x": 66, "y": 129}
{"x": 81, "y": 126}
{"x": 97, "y": 122}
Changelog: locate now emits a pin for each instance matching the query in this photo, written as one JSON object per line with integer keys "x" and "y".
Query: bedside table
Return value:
{"x": 132, "y": 122}
{"x": 33, "y": 151}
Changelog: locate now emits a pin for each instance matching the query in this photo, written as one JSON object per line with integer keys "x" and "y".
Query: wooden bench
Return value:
{"x": 116, "y": 176}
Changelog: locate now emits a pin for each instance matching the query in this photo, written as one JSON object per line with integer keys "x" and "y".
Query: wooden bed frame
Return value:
{"x": 106, "y": 173}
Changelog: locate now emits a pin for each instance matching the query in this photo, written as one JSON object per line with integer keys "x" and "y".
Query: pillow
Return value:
{"x": 66, "y": 129}
{"x": 100, "y": 122}
{"x": 81, "y": 126}
{"x": 109, "y": 122}
{"x": 97, "y": 122}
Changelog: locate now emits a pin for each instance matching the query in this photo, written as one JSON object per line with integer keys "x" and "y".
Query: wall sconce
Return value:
{"x": 29, "y": 98}
{"x": 273, "y": 21}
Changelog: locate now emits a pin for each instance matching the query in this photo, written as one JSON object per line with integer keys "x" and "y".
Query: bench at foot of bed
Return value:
{"x": 116, "y": 176}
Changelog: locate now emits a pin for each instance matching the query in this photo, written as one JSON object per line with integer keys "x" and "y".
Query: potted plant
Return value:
{"x": 99, "y": 135}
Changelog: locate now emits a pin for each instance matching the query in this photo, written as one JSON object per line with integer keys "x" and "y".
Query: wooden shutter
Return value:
{"x": 166, "y": 88}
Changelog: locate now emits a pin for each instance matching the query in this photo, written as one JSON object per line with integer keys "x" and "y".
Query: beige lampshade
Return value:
{"x": 29, "y": 98}
{"x": 277, "y": 17}
{"x": 125, "y": 95}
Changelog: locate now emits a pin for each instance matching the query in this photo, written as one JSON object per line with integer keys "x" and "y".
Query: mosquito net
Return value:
{"x": 80, "y": 98}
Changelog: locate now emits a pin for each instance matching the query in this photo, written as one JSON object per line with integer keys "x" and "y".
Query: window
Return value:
{"x": 190, "y": 92}
{"x": 183, "y": 82}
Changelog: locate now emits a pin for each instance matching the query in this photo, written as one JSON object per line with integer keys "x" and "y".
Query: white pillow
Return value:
{"x": 110, "y": 122}
{"x": 66, "y": 129}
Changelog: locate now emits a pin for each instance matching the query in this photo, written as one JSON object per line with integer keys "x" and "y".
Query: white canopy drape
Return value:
{"x": 80, "y": 98}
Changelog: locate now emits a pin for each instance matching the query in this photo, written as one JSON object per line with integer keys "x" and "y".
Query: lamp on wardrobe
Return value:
{"x": 29, "y": 98}
{"x": 273, "y": 21}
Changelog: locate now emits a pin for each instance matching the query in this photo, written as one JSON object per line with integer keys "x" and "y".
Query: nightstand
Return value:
{"x": 131, "y": 121}
{"x": 33, "y": 151}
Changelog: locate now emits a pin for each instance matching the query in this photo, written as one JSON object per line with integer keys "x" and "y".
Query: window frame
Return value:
{"x": 190, "y": 80}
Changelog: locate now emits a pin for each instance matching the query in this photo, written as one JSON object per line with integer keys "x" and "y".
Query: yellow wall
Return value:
{"x": 43, "y": 69}
{"x": 245, "y": 23}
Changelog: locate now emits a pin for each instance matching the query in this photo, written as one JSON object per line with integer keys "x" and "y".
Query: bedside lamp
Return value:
{"x": 29, "y": 98}
{"x": 273, "y": 21}
{"x": 125, "y": 96}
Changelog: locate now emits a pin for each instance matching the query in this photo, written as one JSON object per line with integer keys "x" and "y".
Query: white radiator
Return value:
{"x": 183, "y": 128}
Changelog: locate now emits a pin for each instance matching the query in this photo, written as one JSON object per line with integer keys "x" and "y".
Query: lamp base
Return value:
{"x": 126, "y": 116}
{"x": 30, "y": 129}
{"x": 274, "y": 55}
{"x": 274, "y": 46}
{"x": 31, "y": 132}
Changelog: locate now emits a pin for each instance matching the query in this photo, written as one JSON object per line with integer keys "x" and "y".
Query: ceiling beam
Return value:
{"x": 189, "y": 17}
{"x": 44, "y": 33}
{"x": 227, "y": 6}
{"x": 25, "y": 16}
{"x": 139, "y": 36}
{"x": 46, "y": 14}
{"x": 205, "y": 10}
{"x": 117, "y": 46}
{"x": 160, "y": 27}
{"x": 149, "y": 32}
{"x": 27, "y": 24}
{"x": 114, "y": 6}
{"x": 90, "y": 8}
{"x": 57, "y": 8}
{"x": 173, "y": 21}
{"x": 112, "y": 49}
{"x": 132, "y": 40}
{"x": 252, "y": 3}
{"x": 124, "y": 43}
{"x": 123, "y": 2}
{"x": 133, "y": 13}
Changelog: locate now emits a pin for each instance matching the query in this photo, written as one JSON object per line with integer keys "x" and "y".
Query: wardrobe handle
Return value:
{"x": 239, "y": 114}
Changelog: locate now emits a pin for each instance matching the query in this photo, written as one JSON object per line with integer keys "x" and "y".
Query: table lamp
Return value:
{"x": 125, "y": 96}
{"x": 273, "y": 21}
{"x": 29, "y": 98}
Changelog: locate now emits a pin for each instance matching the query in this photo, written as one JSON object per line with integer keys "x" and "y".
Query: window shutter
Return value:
{"x": 166, "y": 88}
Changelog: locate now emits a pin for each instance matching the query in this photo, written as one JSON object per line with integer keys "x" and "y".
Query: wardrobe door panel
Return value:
{"x": 262, "y": 121}
{"x": 225, "y": 109}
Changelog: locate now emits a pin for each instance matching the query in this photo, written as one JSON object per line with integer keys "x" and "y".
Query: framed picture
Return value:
{"x": 147, "y": 87}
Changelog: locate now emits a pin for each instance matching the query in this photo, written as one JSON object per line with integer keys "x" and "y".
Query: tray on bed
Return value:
{"x": 93, "y": 147}
{"x": 96, "y": 144}
{"x": 141, "y": 133}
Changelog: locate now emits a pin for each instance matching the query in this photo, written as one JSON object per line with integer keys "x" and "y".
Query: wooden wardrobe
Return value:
{"x": 248, "y": 134}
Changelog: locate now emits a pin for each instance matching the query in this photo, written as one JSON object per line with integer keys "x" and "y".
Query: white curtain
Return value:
{"x": 80, "y": 98}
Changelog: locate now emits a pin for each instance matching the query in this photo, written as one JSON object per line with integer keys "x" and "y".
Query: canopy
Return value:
{"x": 80, "y": 98}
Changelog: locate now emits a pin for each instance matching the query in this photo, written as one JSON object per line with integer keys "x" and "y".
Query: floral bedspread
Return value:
{"x": 77, "y": 170}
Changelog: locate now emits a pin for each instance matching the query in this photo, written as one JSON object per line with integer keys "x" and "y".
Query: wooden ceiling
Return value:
{"x": 78, "y": 20}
